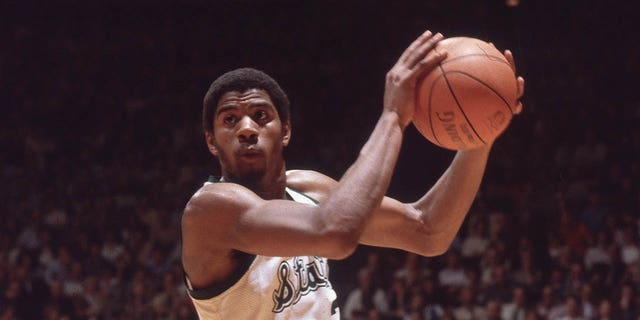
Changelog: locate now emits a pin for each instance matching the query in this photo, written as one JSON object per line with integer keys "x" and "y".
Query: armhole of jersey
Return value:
{"x": 245, "y": 261}
{"x": 299, "y": 197}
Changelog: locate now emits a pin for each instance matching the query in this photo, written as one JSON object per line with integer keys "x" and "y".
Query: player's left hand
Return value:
{"x": 509, "y": 56}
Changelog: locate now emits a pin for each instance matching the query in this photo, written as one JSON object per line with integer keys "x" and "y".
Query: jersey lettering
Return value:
{"x": 310, "y": 276}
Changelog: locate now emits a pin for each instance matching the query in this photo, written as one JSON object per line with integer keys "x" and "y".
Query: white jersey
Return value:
{"x": 274, "y": 288}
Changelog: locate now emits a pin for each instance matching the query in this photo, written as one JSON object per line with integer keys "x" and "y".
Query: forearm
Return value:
{"x": 444, "y": 207}
{"x": 363, "y": 186}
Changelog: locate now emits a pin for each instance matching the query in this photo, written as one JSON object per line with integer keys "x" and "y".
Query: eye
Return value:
{"x": 229, "y": 119}
{"x": 260, "y": 115}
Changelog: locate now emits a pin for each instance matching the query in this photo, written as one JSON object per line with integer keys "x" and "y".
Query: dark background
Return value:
{"x": 101, "y": 107}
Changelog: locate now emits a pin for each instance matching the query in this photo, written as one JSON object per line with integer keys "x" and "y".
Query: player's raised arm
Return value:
{"x": 428, "y": 226}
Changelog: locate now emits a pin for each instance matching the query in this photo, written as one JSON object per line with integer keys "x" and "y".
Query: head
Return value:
{"x": 242, "y": 80}
{"x": 364, "y": 278}
{"x": 493, "y": 309}
{"x": 246, "y": 122}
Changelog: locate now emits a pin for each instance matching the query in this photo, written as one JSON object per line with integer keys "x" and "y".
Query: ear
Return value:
{"x": 211, "y": 143}
{"x": 286, "y": 133}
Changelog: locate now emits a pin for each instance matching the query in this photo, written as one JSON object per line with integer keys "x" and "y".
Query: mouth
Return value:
{"x": 249, "y": 152}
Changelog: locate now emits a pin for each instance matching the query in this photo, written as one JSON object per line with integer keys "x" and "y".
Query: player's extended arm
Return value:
{"x": 428, "y": 225}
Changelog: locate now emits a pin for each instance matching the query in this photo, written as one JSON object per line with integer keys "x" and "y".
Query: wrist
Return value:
{"x": 479, "y": 151}
{"x": 393, "y": 118}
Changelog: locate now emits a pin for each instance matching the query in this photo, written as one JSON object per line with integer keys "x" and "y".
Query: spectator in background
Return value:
{"x": 574, "y": 279}
{"x": 593, "y": 214}
{"x": 568, "y": 310}
{"x": 494, "y": 307}
{"x": 452, "y": 276}
{"x": 499, "y": 288}
{"x": 410, "y": 270}
{"x": 431, "y": 297}
{"x": 468, "y": 309}
{"x": 365, "y": 297}
{"x": 475, "y": 242}
{"x": 526, "y": 274}
{"x": 58, "y": 304}
{"x": 489, "y": 262}
{"x": 626, "y": 302}
{"x": 398, "y": 298}
{"x": 586, "y": 300}
{"x": 629, "y": 249}
{"x": 545, "y": 304}
{"x": 573, "y": 233}
{"x": 416, "y": 310}
{"x": 597, "y": 255}
{"x": 516, "y": 308}
{"x": 605, "y": 311}
{"x": 111, "y": 248}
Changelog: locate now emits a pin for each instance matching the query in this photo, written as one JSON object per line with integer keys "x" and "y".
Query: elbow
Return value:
{"x": 339, "y": 236}
{"x": 430, "y": 249}
{"x": 341, "y": 244}
{"x": 434, "y": 251}
{"x": 433, "y": 243}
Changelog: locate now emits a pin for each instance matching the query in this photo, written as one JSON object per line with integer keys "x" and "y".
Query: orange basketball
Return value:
{"x": 469, "y": 99}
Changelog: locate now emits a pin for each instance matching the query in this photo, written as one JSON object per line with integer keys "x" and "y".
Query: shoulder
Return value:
{"x": 207, "y": 221}
{"x": 222, "y": 201}
{"x": 311, "y": 183}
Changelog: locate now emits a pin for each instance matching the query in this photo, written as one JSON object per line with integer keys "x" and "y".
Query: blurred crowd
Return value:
{"x": 102, "y": 147}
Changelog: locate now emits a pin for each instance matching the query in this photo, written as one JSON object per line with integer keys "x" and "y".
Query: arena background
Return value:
{"x": 102, "y": 144}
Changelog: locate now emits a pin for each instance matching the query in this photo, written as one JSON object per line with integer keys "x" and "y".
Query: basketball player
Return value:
{"x": 256, "y": 240}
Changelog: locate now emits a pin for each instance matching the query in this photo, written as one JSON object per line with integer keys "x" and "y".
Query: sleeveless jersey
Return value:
{"x": 273, "y": 288}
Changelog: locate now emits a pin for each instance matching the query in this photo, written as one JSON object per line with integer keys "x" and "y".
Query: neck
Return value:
{"x": 269, "y": 186}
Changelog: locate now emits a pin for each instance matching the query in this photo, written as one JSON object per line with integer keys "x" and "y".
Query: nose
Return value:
{"x": 247, "y": 130}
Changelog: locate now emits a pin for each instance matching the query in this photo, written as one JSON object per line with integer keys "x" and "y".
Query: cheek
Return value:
{"x": 223, "y": 137}
{"x": 275, "y": 142}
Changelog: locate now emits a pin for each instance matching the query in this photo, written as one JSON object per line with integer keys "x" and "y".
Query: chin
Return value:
{"x": 249, "y": 176}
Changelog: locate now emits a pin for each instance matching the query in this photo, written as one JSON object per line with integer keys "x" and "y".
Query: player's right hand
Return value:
{"x": 401, "y": 82}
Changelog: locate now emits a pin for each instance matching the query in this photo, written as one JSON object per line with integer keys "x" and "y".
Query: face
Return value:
{"x": 248, "y": 136}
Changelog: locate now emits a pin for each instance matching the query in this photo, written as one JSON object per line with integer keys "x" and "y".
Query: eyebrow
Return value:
{"x": 224, "y": 109}
{"x": 261, "y": 104}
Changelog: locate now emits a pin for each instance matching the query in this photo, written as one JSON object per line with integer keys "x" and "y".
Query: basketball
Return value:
{"x": 469, "y": 99}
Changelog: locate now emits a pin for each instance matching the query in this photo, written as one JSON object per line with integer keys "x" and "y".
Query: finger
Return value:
{"x": 422, "y": 51}
{"x": 518, "y": 108}
{"x": 416, "y": 43}
{"x": 520, "y": 92}
{"x": 509, "y": 56}
{"x": 429, "y": 62}
{"x": 520, "y": 81}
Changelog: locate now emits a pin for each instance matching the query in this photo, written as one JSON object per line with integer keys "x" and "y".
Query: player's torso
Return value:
{"x": 276, "y": 288}
{"x": 271, "y": 288}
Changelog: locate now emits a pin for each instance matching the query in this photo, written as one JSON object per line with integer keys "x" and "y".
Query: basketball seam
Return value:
{"x": 429, "y": 107}
{"x": 486, "y": 85}
{"x": 492, "y": 58}
{"x": 418, "y": 100}
{"x": 464, "y": 114}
